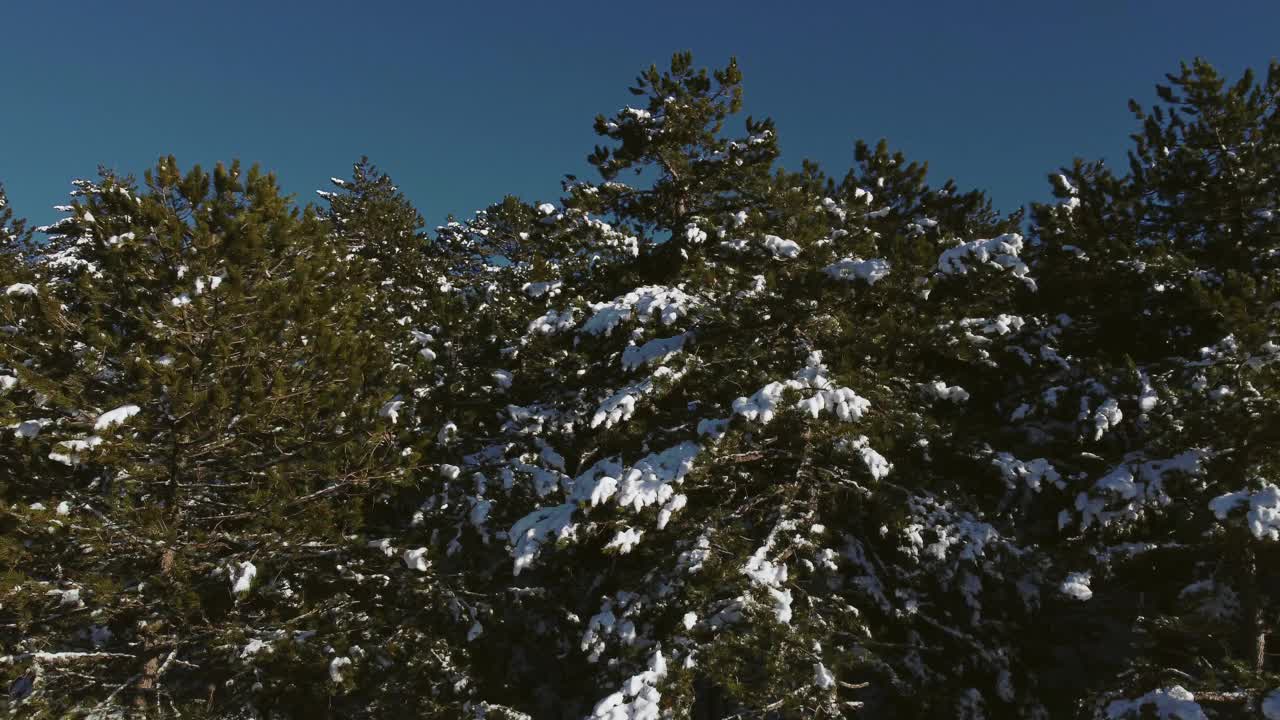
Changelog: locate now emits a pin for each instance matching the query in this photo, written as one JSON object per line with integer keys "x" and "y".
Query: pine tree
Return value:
{"x": 1163, "y": 282}
{"x": 224, "y": 444}
{"x": 730, "y": 440}
{"x": 731, "y": 555}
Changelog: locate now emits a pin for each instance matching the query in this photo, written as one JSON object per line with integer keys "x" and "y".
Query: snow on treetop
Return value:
{"x": 20, "y": 290}
{"x": 637, "y": 113}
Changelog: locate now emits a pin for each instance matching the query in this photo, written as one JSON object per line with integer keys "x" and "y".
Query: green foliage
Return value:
{"x": 731, "y": 440}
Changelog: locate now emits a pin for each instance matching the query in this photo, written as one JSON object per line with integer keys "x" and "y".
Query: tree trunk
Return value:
{"x": 1254, "y": 632}
{"x": 146, "y": 682}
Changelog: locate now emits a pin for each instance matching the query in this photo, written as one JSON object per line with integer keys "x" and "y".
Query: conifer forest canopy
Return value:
{"x": 706, "y": 438}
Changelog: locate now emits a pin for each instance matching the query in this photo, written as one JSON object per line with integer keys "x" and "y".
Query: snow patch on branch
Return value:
{"x": 770, "y": 575}
{"x": 1175, "y": 703}
{"x": 69, "y": 452}
{"x": 335, "y": 668}
{"x": 1134, "y": 486}
{"x": 111, "y": 418}
{"x": 641, "y": 304}
{"x": 550, "y": 288}
{"x": 1076, "y": 586}
{"x": 625, "y": 540}
{"x": 876, "y": 463}
{"x": 654, "y": 351}
{"x": 639, "y": 697}
{"x": 621, "y": 405}
{"x": 852, "y": 269}
{"x": 998, "y": 252}
{"x": 939, "y": 390}
{"x": 1001, "y": 324}
{"x": 844, "y": 402}
{"x": 780, "y": 248}
{"x": 531, "y": 532}
{"x": 552, "y": 322}
{"x": 822, "y": 677}
{"x": 650, "y": 481}
{"x": 1262, "y": 510}
{"x": 1035, "y": 473}
{"x": 1107, "y": 416}
{"x": 391, "y": 410}
{"x": 244, "y": 579}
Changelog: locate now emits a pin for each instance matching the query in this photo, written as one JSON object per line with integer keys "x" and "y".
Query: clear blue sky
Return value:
{"x": 464, "y": 102}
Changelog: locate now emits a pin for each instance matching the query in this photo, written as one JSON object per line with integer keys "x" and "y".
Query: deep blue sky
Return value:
{"x": 464, "y": 102}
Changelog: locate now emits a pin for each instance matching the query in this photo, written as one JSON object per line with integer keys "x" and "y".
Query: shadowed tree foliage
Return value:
{"x": 707, "y": 437}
